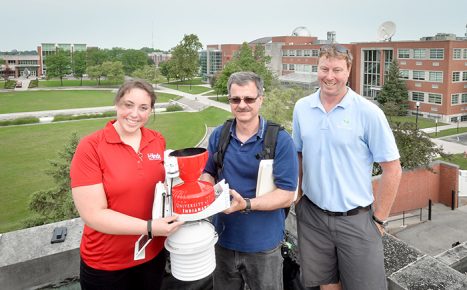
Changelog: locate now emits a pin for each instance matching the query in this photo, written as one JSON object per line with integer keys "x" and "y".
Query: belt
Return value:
{"x": 353, "y": 211}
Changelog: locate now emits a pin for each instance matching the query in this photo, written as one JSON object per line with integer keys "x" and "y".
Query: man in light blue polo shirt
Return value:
{"x": 252, "y": 229}
{"x": 338, "y": 135}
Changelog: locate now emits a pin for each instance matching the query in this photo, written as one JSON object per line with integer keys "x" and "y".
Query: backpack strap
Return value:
{"x": 270, "y": 140}
{"x": 224, "y": 141}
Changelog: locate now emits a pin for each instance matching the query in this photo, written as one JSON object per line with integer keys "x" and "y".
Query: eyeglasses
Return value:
{"x": 246, "y": 99}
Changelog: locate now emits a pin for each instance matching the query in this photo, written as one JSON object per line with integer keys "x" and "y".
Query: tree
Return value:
{"x": 95, "y": 72}
{"x": 246, "y": 59}
{"x": 167, "y": 69}
{"x": 5, "y": 68}
{"x": 415, "y": 147}
{"x": 132, "y": 60}
{"x": 149, "y": 73}
{"x": 113, "y": 70}
{"x": 186, "y": 58}
{"x": 394, "y": 90}
{"x": 56, "y": 204}
{"x": 96, "y": 56}
{"x": 58, "y": 65}
{"x": 79, "y": 65}
{"x": 278, "y": 105}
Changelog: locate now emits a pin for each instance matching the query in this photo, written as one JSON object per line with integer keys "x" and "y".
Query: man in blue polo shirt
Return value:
{"x": 251, "y": 230}
{"x": 338, "y": 135}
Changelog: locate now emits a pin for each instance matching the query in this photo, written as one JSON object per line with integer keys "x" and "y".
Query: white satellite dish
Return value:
{"x": 386, "y": 31}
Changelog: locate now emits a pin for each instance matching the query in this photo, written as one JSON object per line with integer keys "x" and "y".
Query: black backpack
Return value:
{"x": 269, "y": 144}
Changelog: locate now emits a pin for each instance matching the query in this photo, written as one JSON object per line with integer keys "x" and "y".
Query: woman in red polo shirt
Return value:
{"x": 113, "y": 175}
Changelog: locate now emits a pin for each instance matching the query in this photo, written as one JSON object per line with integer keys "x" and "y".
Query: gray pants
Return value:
{"x": 339, "y": 248}
{"x": 259, "y": 271}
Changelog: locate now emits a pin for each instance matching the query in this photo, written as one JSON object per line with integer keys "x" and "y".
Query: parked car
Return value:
{"x": 19, "y": 84}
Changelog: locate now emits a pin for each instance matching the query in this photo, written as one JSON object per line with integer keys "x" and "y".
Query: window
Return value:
{"x": 436, "y": 76}
{"x": 314, "y": 52}
{"x": 436, "y": 53}
{"x": 454, "y": 99}
{"x": 299, "y": 52}
{"x": 456, "y": 53}
{"x": 464, "y": 76}
{"x": 306, "y": 52}
{"x": 465, "y": 53}
{"x": 404, "y": 74}
{"x": 464, "y": 99}
{"x": 291, "y": 66}
{"x": 456, "y": 76}
{"x": 314, "y": 68}
{"x": 418, "y": 96}
{"x": 419, "y": 53}
{"x": 418, "y": 75}
{"x": 434, "y": 99}
{"x": 403, "y": 53}
{"x": 284, "y": 66}
{"x": 285, "y": 52}
{"x": 292, "y": 52}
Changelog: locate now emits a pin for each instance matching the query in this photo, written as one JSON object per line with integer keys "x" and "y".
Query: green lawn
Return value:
{"x": 195, "y": 81}
{"x": 422, "y": 122}
{"x": 75, "y": 83}
{"x": 222, "y": 99}
{"x": 30, "y": 101}
{"x": 195, "y": 90}
{"x": 457, "y": 159}
{"x": 26, "y": 150}
{"x": 448, "y": 132}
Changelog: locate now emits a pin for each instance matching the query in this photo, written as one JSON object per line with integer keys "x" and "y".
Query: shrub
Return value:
{"x": 33, "y": 84}
{"x": 20, "y": 121}
{"x": 59, "y": 118}
{"x": 174, "y": 108}
{"x": 10, "y": 84}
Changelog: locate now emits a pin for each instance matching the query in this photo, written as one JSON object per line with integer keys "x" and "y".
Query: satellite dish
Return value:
{"x": 386, "y": 31}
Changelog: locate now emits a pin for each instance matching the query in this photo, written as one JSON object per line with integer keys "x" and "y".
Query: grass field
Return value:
{"x": 75, "y": 83}
{"x": 26, "y": 151}
{"x": 459, "y": 160}
{"x": 222, "y": 99}
{"x": 448, "y": 132}
{"x": 195, "y": 81}
{"x": 30, "y": 101}
{"x": 422, "y": 122}
{"x": 195, "y": 90}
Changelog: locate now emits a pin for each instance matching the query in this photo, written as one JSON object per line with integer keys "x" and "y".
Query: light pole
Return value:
{"x": 417, "y": 104}
{"x": 458, "y": 119}
{"x": 436, "y": 129}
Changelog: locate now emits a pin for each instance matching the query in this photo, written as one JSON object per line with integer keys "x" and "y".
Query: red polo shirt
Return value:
{"x": 129, "y": 180}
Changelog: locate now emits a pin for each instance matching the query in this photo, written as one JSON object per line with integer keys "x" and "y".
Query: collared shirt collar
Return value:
{"x": 111, "y": 135}
{"x": 315, "y": 101}
{"x": 259, "y": 134}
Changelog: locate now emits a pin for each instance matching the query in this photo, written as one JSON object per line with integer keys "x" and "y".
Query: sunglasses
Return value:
{"x": 334, "y": 47}
{"x": 247, "y": 100}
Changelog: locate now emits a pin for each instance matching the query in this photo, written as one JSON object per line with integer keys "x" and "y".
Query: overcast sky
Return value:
{"x": 162, "y": 24}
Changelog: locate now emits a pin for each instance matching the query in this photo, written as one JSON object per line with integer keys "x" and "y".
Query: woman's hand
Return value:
{"x": 166, "y": 226}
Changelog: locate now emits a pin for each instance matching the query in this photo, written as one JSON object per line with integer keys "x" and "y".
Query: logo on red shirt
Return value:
{"x": 152, "y": 156}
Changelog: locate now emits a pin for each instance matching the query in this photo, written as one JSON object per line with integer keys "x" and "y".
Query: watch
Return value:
{"x": 247, "y": 208}
{"x": 383, "y": 223}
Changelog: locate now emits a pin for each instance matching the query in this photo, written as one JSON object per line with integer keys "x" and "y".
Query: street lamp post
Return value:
{"x": 436, "y": 129}
{"x": 458, "y": 125}
{"x": 417, "y": 104}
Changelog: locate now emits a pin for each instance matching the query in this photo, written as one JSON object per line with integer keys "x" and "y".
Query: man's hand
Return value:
{"x": 237, "y": 203}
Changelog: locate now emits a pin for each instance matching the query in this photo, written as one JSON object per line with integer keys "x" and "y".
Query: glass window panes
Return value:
{"x": 436, "y": 53}
{"x": 284, "y": 66}
{"x": 465, "y": 53}
{"x": 436, "y": 76}
{"x": 314, "y": 52}
{"x": 299, "y": 52}
{"x": 464, "y": 76}
{"x": 434, "y": 99}
{"x": 418, "y": 96}
{"x": 418, "y": 75}
{"x": 456, "y": 76}
{"x": 403, "y": 53}
{"x": 314, "y": 68}
{"x": 419, "y": 53}
{"x": 291, "y": 66}
{"x": 292, "y": 52}
{"x": 404, "y": 74}
{"x": 464, "y": 99}
{"x": 306, "y": 52}
{"x": 456, "y": 53}
{"x": 454, "y": 99}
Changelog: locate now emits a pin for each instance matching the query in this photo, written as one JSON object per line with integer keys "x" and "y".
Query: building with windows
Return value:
{"x": 158, "y": 57}
{"x": 20, "y": 66}
{"x": 434, "y": 69}
{"x": 46, "y": 49}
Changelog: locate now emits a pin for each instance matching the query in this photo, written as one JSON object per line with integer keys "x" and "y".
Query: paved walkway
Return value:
{"x": 436, "y": 236}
